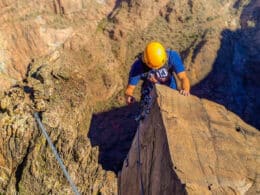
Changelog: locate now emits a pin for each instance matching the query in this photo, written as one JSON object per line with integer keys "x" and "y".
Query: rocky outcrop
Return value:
{"x": 64, "y": 99}
{"x": 32, "y": 29}
{"x": 233, "y": 80}
{"x": 191, "y": 145}
{"x": 69, "y": 59}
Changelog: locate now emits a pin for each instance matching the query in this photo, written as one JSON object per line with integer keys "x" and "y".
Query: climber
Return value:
{"x": 155, "y": 65}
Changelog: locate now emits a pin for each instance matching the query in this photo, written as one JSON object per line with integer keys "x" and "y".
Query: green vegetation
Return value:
{"x": 58, "y": 22}
{"x": 102, "y": 25}
{"x": 30, "y": 15}
{"x": 210, "y": 18}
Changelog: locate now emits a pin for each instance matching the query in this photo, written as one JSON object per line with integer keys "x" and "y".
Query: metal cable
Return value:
{"x": 73, "y": 186}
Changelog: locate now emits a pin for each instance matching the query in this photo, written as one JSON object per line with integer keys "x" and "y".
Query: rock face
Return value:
{"x": 237, "y": 65}
{"x": 69, "y": 59}
{"x": 32, "y": 29}
{"x": 191, "y": 145}
{"x": 27, "y": 163}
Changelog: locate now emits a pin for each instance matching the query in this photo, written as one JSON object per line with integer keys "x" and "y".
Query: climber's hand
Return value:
{"x": 184, "y": 92}
{"x": 129, "y": 99}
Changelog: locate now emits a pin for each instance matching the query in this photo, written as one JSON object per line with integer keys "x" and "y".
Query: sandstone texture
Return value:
{"x": 192, "y": 146}
{"x": 27, "y": 163}
{"x": 69, "y": 61}
{"x": 32, "y": 29}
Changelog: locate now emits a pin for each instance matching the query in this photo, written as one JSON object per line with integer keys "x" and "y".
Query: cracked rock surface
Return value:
{"x": 191, "y": 145}
{"x": 69, "y": 59}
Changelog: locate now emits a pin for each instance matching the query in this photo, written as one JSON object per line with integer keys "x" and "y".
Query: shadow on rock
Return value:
{"x": 113, "y": 132}
{"x": 235, "y": 78}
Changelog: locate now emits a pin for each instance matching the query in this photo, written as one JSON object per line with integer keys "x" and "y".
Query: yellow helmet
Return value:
{"x": 154, "y": 55}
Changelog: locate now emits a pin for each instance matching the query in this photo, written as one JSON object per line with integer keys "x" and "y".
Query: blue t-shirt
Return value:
{"x": 164, "y": 75}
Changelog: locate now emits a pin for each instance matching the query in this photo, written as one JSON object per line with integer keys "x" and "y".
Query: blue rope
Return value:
{"x": 74, "y": 188}
{"x": 139, "y": 164}
{"x": 146, "y": 105}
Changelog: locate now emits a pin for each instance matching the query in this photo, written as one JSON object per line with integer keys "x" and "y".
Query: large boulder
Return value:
{"x": 191, "y": 145}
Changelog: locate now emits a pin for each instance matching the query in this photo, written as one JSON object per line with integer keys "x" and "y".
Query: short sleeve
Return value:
{"x": 135, "y": 73}
{"x": 174, "y": 60}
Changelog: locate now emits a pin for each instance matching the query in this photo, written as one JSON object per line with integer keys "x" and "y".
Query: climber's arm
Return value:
{"x": 185, "y": 83}
{"x": 129, "y": 94}
{"x": 133, "y": 80}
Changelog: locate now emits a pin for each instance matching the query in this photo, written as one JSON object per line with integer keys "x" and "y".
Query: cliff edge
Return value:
{"x": 189, "y": 145}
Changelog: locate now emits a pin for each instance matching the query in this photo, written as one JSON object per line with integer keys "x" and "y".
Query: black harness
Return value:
{"x": 162, "y": 74}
